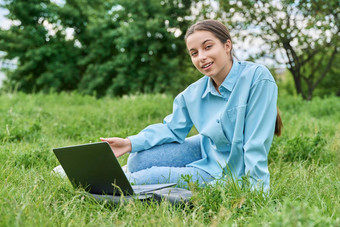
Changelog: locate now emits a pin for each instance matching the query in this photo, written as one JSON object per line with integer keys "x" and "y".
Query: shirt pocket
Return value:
{"x": 217, "y": 139}
{"x": 223, "y": 143}
{"x": 233, "y": 123}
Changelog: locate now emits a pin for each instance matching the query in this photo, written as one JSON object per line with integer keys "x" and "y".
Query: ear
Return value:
{"x": 228, "y": 46}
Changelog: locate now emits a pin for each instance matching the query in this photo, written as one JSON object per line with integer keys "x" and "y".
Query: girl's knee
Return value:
{"x": 132, "y": 163}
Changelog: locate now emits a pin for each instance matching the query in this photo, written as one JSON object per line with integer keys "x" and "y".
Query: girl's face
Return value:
{"x": 209, "y": 55}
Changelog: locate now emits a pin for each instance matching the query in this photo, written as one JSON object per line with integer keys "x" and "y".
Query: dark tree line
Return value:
{"x": 117, "y": 47}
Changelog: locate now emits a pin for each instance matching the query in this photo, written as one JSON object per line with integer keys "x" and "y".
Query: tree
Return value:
{"x": 136, "y": 49}
{"x": 306, "y": 32}
{"x": 103, "y": 47}
{"x": 331, "y": 83}
{"x": 43, "y": 57}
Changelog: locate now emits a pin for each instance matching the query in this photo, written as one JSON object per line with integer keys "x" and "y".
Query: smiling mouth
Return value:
{"x": 207, "y": 65}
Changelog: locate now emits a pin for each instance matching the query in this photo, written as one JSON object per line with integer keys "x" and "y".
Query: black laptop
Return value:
{"x": 95, "y": 168}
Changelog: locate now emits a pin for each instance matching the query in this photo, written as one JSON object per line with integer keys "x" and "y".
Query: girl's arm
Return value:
{"x": 175, "y": 128}
{"x": 259, "y": 130}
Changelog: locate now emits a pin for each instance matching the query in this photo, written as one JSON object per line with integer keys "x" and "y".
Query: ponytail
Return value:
{"x": 278, "y": 123}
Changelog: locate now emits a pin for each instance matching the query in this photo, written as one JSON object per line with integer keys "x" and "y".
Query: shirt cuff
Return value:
{"x": 137, "y": 143}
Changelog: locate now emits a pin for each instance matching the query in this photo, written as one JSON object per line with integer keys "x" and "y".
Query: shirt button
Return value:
{"x": 218, "y": 121}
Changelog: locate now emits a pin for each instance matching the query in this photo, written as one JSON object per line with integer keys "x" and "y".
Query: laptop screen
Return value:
{"x": 95, "y": 168}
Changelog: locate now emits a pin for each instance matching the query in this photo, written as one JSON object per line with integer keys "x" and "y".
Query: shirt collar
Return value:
{"x": 228, "y": 82}
{"x": 209, "y": 89}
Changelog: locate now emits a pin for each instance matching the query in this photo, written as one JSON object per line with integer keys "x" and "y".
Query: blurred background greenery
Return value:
{"x": 118, "y": 47}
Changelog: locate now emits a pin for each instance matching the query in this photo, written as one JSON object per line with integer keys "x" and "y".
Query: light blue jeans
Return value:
{"x": 167, "y": 164}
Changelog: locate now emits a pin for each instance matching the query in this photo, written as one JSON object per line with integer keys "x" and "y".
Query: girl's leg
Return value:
{"x": 169, "y": 155}
{"x": 161, "y": 175}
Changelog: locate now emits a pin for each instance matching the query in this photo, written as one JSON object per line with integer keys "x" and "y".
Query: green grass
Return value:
{"x": 304, "y": 166}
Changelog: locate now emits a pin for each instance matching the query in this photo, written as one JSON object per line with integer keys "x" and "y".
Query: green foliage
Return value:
{"x": 110, "y": 47}
{"x": 228, "y": 200}
{"x": 300, "y": 117}
{"x": 304, "y": 148}
{"x": 285, "y": 83}
{"x": 303, "y": 35}
{"x": 146, "y": 56}
{"x": 299, "y": 213}
{"x": 37, "y": 157}
{"x": 330, "y": 85}
{"x": 44, "y": 59}
{"x": 303, "y": 162}
{"x": 119, "y": 47}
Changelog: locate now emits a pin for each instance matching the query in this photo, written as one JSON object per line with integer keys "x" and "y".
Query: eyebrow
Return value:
{"x": 207, "y": 40}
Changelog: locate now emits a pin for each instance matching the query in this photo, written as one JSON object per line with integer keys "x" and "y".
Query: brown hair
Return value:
{"x": 278, "y": 123}
{"x": 222, "y": 33}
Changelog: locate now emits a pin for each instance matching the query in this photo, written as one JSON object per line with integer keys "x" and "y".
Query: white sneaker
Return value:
{"x": 125, "y": 169}
{"x": 59, "y": 171}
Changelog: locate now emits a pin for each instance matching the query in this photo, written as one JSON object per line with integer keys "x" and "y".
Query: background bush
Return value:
{"x": 112, "y": 47}
{"x": 118, "y": 47}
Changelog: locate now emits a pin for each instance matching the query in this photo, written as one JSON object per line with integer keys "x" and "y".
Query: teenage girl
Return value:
{"x": 233, "y": 107}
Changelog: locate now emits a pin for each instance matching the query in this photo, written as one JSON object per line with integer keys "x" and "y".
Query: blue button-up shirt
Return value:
{"x": 236, "y": 125}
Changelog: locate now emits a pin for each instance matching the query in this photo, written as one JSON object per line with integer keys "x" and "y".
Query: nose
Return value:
{"x": 202, "y": 57}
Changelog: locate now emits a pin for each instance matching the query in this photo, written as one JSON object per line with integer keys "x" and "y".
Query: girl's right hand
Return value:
{"x": 118, "y": 145}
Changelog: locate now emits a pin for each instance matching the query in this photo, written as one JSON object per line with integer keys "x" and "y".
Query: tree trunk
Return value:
{"x": 298, "y": 84}
{"x": 310, "y": 91}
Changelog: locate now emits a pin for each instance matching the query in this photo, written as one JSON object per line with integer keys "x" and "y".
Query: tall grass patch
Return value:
{"x": 303, "y": 162}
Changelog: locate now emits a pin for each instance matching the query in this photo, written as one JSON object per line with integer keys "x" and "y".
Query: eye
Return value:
{"x": 208, "y": 47}
{"x": 193, "y": 54}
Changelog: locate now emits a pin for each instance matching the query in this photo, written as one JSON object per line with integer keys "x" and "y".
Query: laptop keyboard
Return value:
{"x": 142, "y": 189}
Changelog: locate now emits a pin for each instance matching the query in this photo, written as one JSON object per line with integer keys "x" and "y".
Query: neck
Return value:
{"x": 218, "y": 80}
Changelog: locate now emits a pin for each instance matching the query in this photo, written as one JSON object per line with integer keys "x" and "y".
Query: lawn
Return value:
{"x": 304, "y": 166}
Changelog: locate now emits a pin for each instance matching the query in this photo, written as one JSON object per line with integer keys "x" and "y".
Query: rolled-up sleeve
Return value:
{"x": 259, "y": 131}
{"x": 174, "y": 128}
